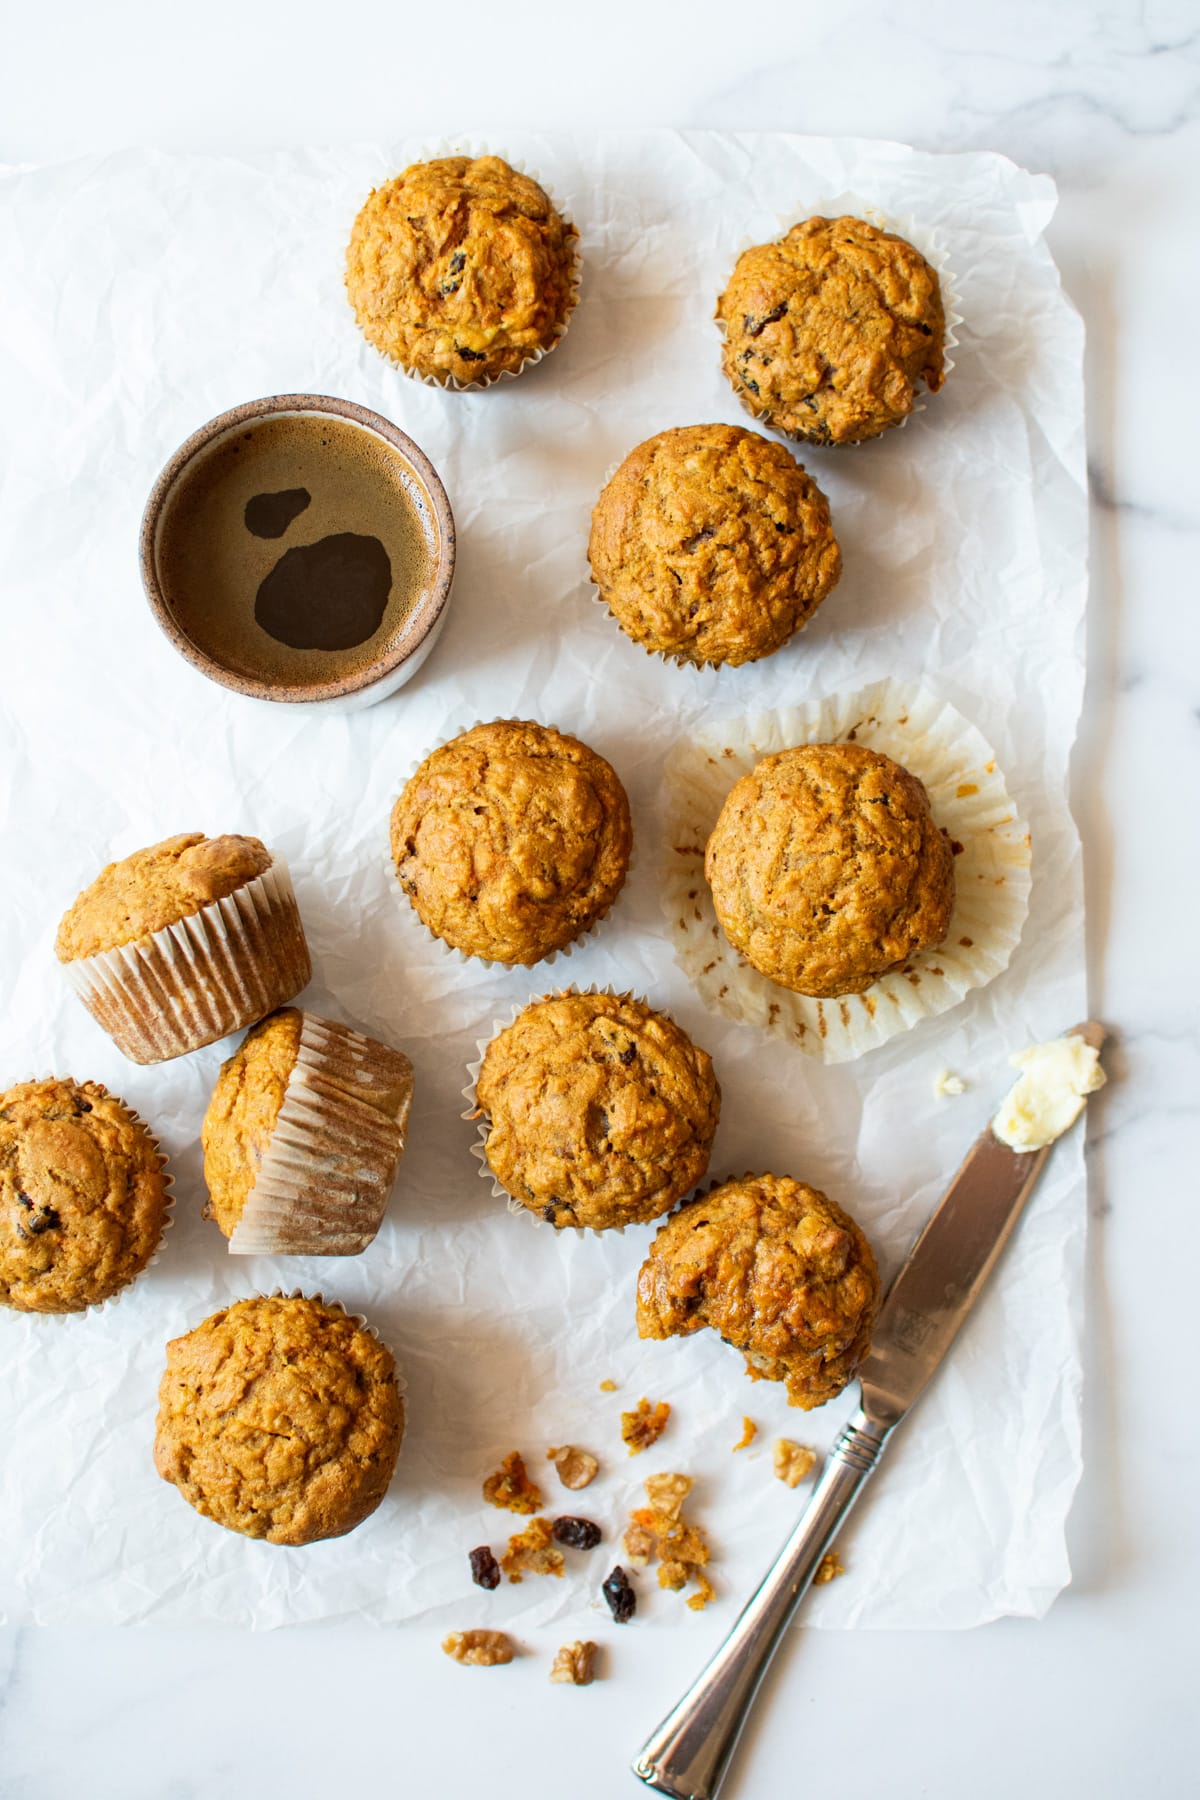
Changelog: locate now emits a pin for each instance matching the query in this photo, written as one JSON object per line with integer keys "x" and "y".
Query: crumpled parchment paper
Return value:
{"x": 143, "y": 293}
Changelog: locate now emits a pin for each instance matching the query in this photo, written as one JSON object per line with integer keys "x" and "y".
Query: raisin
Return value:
{"x": 485, "y": 1570}
{"x": 458, "y": 262}
{"x": 752, "y": 385}
{"x": 550, "y": 1212}
{"x": 629, "y": 1055}
{"x": 24, "y": 1200}
{"x": 83, "y": 1106}
{"x": 449, "y": 287}
{"x": 752, "y": 327}
{"x": 576, "y": 1534}
{"x": 470, "y": 355}
{"x": 622, "y": 1601}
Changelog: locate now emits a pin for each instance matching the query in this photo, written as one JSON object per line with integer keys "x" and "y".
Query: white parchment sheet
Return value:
{"x": 143, "y": 293}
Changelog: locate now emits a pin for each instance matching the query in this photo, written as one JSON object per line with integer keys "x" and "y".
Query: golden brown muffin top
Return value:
{"x": 780, "y": 1271}
{"x": 240, "y": 1120}
{"x": 600, "y": 1111}
{"x": 712, "y": 544}
{"x": 461, "y": 267}
{"x": 157, "y": 887}
{"x": 827, "y": 870}
{"x": 828, "y": 331}
{"x": 281, "y": 1419}
{"x": 512, "y": 840}
{"x": 83, "y": 1197}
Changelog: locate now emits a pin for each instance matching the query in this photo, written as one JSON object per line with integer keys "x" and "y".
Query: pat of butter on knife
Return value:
{"x": 1056, "y": 1079}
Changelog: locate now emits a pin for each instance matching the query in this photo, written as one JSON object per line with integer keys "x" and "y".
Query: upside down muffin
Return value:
{"x": 829, "y": 330}
{"x": 512, "y": 840}
{"x": 83, "y": 1196}
{"x": 280, "y": 1418}
{"x": 827, "y": 869}
{"x": 461, "y": 268}
{"x": 711, "y": 544}
{"x": 783, "y": 1275}
{"x": 600, "y": 1112}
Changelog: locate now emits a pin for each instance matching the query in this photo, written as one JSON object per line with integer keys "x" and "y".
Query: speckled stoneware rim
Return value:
{"x": 423, "y": 618}
{"x": 112, "y": 1300}
{"x": 451, "y": 383}
{"x": 177, "y": 989}
{"x": 914, "y": 725}
{"x": 706, "y": 669}
{"x": 325, "y": 1178}
{"x": 930, "y": 240}
{"x": 565, "y": 950}
{"x": 475, "y": 1115}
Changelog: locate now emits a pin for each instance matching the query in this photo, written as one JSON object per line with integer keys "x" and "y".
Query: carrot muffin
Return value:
{"x": 512, "y": 840}
{"x": 184, "y": 942}
{"x": 829, "y": 330}
{"x": 783, "y": 1275}
{"x": 461, "y": 268}
{"x": 83, "y": 1196}
{"x": 303, "y": 1137}
{"x": 710, "y": 544}
{"x": 827, "y": 869}
{"x": 281, "y": 1419}
{"x": 599, "y": 1111}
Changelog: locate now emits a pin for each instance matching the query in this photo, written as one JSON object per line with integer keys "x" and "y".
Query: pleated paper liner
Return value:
{"x": 968, "y": 799}
{"x": 485, "y": 962}
{"x": 475, "y": 1116}
{"x": 537, "y": 352}
{"x": 218, "y": 970}
{"x": 930, "y": 240}
{"x": 111, "y": 1300}
{"x": 323, "y": 1184}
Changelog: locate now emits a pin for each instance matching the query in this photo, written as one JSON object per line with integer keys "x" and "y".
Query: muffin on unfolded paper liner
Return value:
{"x": 699, "y": 1095}
{"x": 968, "y": 799}
{"x": 184, "y": 942}
{"x": 303, "y": 1137}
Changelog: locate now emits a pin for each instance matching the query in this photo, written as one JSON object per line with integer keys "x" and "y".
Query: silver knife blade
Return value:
{"x": 946, "y": 1267}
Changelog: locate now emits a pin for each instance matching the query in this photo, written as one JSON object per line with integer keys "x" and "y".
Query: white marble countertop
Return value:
{"x": 1097, "y": 1698}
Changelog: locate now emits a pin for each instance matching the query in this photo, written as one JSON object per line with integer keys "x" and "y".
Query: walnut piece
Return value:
{"x": 532, "y": 1552}
{"x": 749, "y": 1433}
{"x": 511, "y": 1488}
{"x": 575, "y": 1467}
{"x": 645, "y": 1425}
{"x": 828, "y": 1569}
{"x": 484, "y": 1648}
{"x": 575, "y": 1663}
{"x": 793, "y": 1462}
{"x": 667, "y": 1493}
{"x": 640, "y": 1545}
{"x": 661, "y": 1530}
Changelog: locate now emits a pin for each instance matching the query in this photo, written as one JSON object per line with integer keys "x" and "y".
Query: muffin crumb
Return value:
{"x": 749, "y": 1433}
{"x": 532, "y": 1552}
{"x": 793, "y": 1462}
{"x": 510, "y": 1487}
{"x": 644, "y": 1425}
{"x": 828, "y": 1569}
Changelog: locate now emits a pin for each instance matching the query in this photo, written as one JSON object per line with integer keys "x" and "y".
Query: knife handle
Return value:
{"x": 688, "y": 1754}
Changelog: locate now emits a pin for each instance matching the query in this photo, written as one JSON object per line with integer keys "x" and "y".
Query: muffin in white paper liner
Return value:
{"x": 216, "y": 971}
{"x": 325, "y": 1177}
{"x": 967, "y": 798}
{"x": 447, "y": 147}
{"x": 475, "y": 1115}
{"x": 933, "y": 245}
{"x": 487, "y": 962}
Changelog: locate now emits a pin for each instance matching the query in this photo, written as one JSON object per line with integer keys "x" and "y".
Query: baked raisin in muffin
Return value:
{"x": 512, "y": 841}
{"x": 711, "y": 544}
{"x": 827, "y": 869}
{"x": 600, "y": 1112}
{"x": 783, "y": 1275}
{"x": 461, "y": 269}
{"x": 280, "y": 1418}
{"x": 829, "y": 331}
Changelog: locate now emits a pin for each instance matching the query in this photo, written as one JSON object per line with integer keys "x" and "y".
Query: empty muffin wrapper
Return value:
{"x": 217, "y": 971}
{"x": 454, "y": 148}
{"x": 930, "y": 240}
{"x": 968, "y": 799}
{"x": 324, "y": 1181}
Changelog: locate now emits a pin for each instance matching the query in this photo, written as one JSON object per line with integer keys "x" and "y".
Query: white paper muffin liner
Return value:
{"x": 474, "y": 1115}
{"x": 217, "y": 971}
{"x": 968, "y": 799}
{"x": 112, "y": 1300}
{"x": 486, "y": 962}
{"x": 447, "y": 147}
{"x": 325, "y": 1178}
{"x": 933, "y": 245}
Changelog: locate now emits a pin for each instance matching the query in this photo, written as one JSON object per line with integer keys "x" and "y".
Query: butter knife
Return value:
{"x": 688, "y": 1755}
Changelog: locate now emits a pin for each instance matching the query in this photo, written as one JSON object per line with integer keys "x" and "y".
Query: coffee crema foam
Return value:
{"x": 294, "y": 549}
